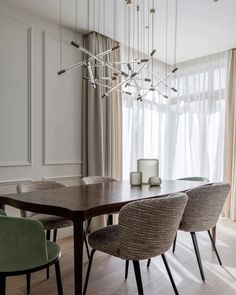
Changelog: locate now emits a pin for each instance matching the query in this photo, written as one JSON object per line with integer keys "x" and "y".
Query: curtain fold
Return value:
{"x": 102, "y": 121}
{"x": 230, "y": 138}
{"x": 102, "y": 117}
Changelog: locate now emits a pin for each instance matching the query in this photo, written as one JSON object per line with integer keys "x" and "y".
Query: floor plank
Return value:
{"x": 107, "y": 275}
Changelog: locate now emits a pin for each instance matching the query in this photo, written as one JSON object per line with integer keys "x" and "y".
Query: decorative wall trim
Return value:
{"x": 66, "y": 177}
{"x": 29, "y": 99}
{"x": 69, "y": 162}
{"x": 56, "y": 178}
{"x": 13, "y": 182}
{"x": 47, "y": 162}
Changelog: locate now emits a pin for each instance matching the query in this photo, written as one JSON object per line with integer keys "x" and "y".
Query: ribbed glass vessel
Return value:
{"x": 149, "y": 168}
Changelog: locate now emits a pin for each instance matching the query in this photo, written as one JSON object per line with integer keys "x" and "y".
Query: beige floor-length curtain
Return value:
{"x": 230, "y": 138}
{"x": 102, "y": 118}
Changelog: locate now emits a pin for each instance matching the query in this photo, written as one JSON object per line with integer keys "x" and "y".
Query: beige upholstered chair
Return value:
{"x": 202, "y": 212}
{"x": 146, "y": 229}
{"x": 195, "y": 178}
{"x": 191, "y": 178}
{"x": 98, "y": 179}
{"x": 50, "y": 222}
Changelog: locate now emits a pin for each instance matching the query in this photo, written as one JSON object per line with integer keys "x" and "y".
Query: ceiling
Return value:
{"x": 204, "y": 26}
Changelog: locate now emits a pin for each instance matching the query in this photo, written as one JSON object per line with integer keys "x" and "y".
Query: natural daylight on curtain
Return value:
{"x": 186, "y": 131}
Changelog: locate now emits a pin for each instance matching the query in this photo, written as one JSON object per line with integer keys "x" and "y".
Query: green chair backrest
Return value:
{"x": 2, "y": 212}
{"x": 22, "y": 244}
{"x": 195, "y": 178}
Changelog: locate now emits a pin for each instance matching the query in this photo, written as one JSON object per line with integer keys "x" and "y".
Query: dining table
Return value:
{"x": 82, "y": 202}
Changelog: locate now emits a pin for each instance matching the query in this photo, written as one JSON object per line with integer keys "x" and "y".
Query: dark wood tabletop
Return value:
{"x": 91, "y": 200}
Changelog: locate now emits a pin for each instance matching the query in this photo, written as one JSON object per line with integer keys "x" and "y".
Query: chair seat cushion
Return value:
{"x": 51, "y": 222}
{"x": 106, "y": 240}
{"x": 54, "y": 251}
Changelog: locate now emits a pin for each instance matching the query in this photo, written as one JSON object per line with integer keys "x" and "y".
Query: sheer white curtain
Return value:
{"x": 186, "y": 131}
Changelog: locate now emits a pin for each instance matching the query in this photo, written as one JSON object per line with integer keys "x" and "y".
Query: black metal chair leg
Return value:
{"x": 126, "y": 269}
{"x": 214, "y": 247}
{"x": 195, "y": 244}
{"x": 149, "y": 262}
{"x": 88, "y": 226}
{"x": 86, "y": 246}
{"x": 48, "y": 236}
{"x": 47, "y": 273}
{"x": 110, "y": 219}
{"x": 88, "y": 271}
{"x": 55, "y": 235}
{"x": 174, "y": 243}
{"x": 28, "y": 280}
{"x": 169, "y": 274}
{"x": 58, "y": 277}
{"x": 2, "y": 285}
{"x": 138, "y": 276}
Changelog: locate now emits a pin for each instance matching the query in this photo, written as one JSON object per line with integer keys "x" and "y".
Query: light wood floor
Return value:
{"x": 107, "y": 275}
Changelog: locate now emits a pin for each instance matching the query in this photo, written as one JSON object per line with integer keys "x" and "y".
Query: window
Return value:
{"x": 186, "y": 131}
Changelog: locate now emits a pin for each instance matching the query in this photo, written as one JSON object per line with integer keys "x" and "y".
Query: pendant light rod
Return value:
{"x": 90, "y": 72}
{"x": 82, "y": 63}
{"x": 164, "y": 82}
{"x": 76, "y": 20}
{"x": 117, "y": 87}
{"x": 98, "y": 59}
{"x": 107, "y": 86}
{"x": 159, "y": 82}
{"x": 60, "y": 21}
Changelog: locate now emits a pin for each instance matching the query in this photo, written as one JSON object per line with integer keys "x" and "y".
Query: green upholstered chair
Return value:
{"x": 50, "y": 222}
{"x": 24, "y": 250}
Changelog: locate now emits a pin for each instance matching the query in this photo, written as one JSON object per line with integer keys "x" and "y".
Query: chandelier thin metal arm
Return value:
{"x": 117, "y": 87}
{"x": 148, "y": 89}
{"x": 91, "y": 77}
{"x": 82, "y": 63}
{"x": 98, "y": 59}
{"x": 144, "y": 64}
{"x": 133, "y": 79}
{"x": 158, "y": 83}
{"x": 106, "y": 86}
{"x": 164, "y": 82}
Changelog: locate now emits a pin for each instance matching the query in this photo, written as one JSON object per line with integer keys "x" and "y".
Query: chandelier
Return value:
{"x": 136, "y": 74}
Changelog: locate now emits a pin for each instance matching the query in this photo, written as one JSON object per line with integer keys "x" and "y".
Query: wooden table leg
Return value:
{"x": 78, "y": 256}
{"x": 213, "y": 232}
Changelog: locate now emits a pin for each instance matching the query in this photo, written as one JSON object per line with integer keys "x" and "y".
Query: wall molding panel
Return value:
{"x": 13, "y": 182}
{"x": 60, "y": 125}
{"x": 65, "y": 177}
{"x": 12, "y": 96}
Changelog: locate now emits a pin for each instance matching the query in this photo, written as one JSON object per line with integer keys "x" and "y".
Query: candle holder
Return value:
{"x": 149, "y": 168}
{"x": 135, "y": 178}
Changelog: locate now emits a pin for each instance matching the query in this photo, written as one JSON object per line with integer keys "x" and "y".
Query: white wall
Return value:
{"x": 40, "y": 112}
